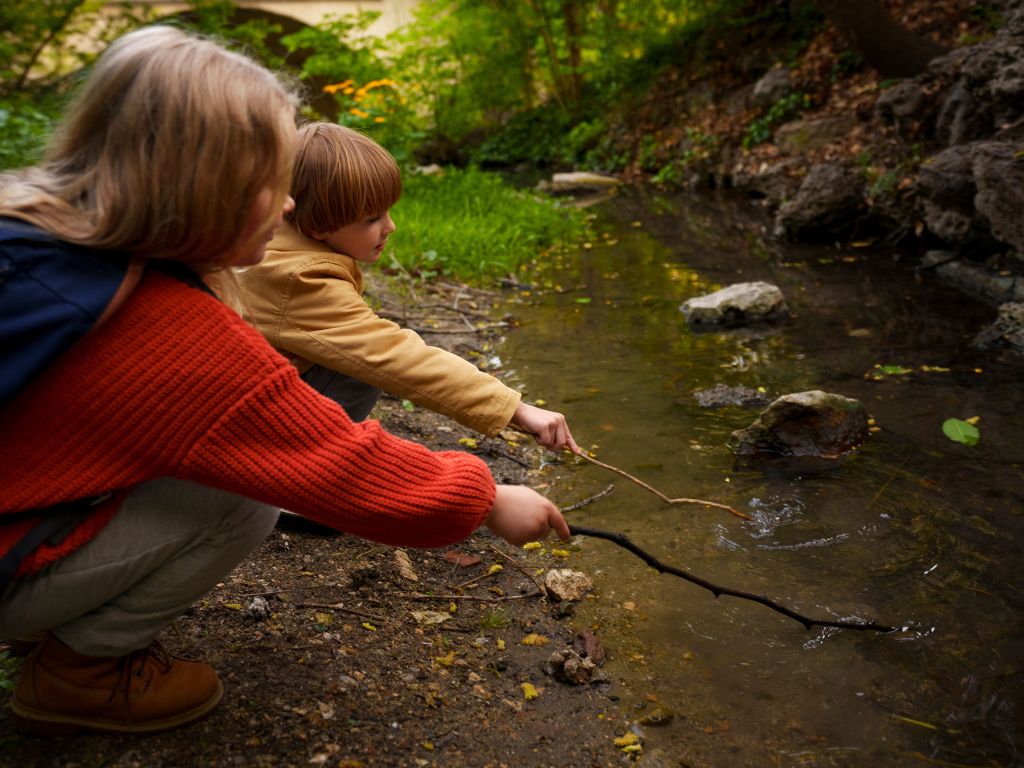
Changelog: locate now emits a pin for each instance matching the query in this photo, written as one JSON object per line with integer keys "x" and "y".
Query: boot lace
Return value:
{"x": 134, "y": 665}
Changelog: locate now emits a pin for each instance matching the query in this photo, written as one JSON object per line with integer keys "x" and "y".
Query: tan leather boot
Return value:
{"x": 61, "y": 692}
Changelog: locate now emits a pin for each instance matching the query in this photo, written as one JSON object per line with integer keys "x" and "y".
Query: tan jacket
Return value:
{"x": 306, "y": 299}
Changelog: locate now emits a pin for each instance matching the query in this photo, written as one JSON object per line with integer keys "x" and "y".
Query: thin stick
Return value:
{"x": 625, "y": 543}
{"x": 661, "y": 495}
{"x": 589, "y": 500}
{"x": 340, "y": 607}
{"x": 505, "y": 599}
{"x": 518, "y": 566}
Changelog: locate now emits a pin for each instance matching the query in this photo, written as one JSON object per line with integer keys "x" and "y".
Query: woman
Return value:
{"x": 153, "y": 453}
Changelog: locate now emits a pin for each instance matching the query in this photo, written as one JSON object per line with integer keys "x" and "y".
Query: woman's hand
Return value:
{"x": 548, "y": 428}
{"x": 520, "y": 514}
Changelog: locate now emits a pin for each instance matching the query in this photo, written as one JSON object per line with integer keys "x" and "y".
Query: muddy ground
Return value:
{"x": 332, "y": 655}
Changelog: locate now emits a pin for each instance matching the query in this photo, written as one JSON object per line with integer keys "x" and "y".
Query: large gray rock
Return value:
{"x": 814, "y": 423}
{"x": 1006, "y": 331}
{"x": 998, "y": 171}
{"x": 972, "y": 195}
{"x": 736, "y": 304}
{"x": 829, "y": 203}
{"x": 772, "y": 86}
{"x": 801, "y": 136}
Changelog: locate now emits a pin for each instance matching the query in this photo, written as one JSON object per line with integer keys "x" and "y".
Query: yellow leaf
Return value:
{"x": 633, "y": 748}
{"x": 560, "y": 552}
{"x": 973, "y": 420}
{"x": 532, "y": 545}
{"x": 452, "y": 608}
{"x": 495, "y": 568}
{"x": 538, "y": 402}
{"x": 447, "y": 660}
{"x": 534, "y": 639}
{"x": 469, "y": 442}
{"x": 368, "y": 626}
{"x": 529, "y": 692}
{"x": 627, "y": 740}
{"x": 233, "y": 606}
{"x": 501, "y": 644}
{"x": 323, "y": 618}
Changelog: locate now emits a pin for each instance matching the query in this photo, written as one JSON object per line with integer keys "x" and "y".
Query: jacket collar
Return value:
{"x": 288, "y": 238}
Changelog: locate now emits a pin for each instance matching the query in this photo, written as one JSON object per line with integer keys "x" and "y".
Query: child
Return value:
{"x": 306, "y": 298}
{"x": 154, "y": 452}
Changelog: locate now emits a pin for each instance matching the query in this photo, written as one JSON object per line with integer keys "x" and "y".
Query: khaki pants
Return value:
{"x": 168, "y": 545}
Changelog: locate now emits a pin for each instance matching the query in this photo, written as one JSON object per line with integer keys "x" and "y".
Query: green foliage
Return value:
{"x": 219, "y": 19}
{"x": 786, "y": 108}
{"x": 472, "y": 225}
{"x": 961, "y": 431}
{"x": 9, "y": 666}
{"x": 698, "y": 146}
{"x": 24, "y": 130}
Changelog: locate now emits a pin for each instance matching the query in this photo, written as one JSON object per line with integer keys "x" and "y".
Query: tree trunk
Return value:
{"x": 886, "y": 46}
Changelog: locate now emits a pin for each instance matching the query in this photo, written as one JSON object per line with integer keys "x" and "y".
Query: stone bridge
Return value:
{"x": 292, "y": 13}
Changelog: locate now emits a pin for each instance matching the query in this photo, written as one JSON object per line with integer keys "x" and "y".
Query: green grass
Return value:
{"x": 473, "y": 226}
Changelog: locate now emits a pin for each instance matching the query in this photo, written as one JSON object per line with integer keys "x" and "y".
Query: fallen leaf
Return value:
{"x": 461, "y": 558}
{"x": 535, "y": 639}
{"x": 368, "y": 626}
{"x": 405, "y": 569}
{"x": 469, "y": 442}
{"x": 529, "y": 692}
{"x": 430, "y": 617}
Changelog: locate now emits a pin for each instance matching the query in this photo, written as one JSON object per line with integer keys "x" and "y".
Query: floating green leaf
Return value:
{"x": 583, "y": 300}
{"x": 961, "y": 431}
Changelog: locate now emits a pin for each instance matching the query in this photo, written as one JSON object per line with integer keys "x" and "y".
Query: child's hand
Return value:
{"x": 548, "y": 428}
{"x": 520, "y": 514}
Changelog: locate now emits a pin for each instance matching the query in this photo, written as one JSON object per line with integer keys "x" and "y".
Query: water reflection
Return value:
{"x": 911, "y": 530}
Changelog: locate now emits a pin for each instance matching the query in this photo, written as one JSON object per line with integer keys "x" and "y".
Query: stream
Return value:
{"x": 911, "y": 530}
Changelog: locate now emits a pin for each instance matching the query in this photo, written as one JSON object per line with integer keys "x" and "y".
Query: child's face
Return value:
{"x": 363, "y": 240}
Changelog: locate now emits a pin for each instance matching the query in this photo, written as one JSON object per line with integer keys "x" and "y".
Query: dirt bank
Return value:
{"x": 351, "y": 662}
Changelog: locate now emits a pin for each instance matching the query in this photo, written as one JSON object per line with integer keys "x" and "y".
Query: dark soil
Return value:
{"x": 341, "y": 672}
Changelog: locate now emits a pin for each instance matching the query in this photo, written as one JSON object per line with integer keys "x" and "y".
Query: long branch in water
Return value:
{"x": 716, "y": 590}
{"x": 658, "y": 493}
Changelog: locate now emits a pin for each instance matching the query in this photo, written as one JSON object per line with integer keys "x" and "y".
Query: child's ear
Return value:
{"x": 321, "y": 236}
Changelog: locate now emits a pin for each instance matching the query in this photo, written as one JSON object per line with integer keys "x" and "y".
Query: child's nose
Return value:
{"x": 389, "y": 224}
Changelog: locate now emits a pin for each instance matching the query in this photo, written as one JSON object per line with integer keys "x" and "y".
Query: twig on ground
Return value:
{"x": 340, "y": 607}
{"x": 518, "y": 566}
{"x": 506, "y": 598}
{"x": 716, "y": 590}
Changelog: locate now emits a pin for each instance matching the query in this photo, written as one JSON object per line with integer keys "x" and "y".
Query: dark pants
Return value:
{"x": 356, "y": 397}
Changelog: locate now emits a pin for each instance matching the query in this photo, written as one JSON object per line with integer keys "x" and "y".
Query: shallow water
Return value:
{"x": 912, "y": 530}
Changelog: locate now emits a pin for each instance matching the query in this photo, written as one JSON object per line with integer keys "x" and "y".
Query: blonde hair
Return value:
{"x": 340, "y": 177}
{"x": 163, "y": 152}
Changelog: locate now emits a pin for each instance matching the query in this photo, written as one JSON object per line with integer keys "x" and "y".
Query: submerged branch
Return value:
{"x": 716, "y": 590}
{"x": 589, "y": 499}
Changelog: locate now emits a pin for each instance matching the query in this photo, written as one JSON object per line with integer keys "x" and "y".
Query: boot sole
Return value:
{"x": 44, "y": 723}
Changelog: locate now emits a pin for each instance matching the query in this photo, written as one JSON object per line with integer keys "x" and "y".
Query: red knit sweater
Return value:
{"x": 177, "y": 385}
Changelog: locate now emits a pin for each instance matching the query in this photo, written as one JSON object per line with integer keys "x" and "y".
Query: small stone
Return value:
{"x": 566, "y": 584}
